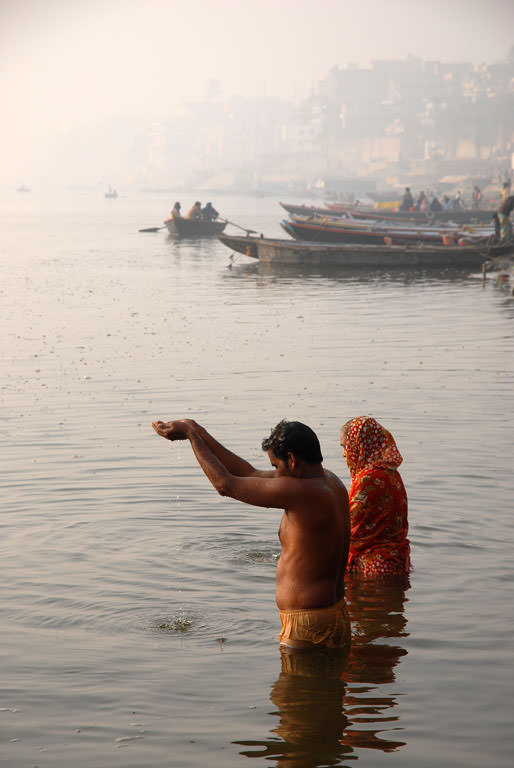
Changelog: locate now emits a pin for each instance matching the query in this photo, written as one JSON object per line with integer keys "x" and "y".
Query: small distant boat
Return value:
{"x": 182, "y": 227}
{"x": 23, "y": 188}
{"x": 112, "y": 194}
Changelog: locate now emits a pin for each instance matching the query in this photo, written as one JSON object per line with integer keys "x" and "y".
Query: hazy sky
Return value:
{"x": 66, "y": 63}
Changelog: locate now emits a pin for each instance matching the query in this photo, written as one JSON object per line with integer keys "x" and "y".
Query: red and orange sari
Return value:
{"x": 378, "y": 501}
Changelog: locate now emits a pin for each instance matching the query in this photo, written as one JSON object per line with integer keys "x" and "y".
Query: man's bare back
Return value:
{"x": 314, "y": 539}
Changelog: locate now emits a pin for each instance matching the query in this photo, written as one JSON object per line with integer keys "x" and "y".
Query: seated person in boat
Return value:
{"x": 195, "y": 212}
{"x": 314, "y": 530}
{"x": 446, "y": 204}
{"x": 175, "y": 212}
{"x": 378, "y": 502}
{"x": 209, "y": 213}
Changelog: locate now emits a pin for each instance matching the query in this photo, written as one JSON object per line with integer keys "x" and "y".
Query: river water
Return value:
{"x": 138, "y": 618}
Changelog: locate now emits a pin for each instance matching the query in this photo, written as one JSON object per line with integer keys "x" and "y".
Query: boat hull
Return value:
{"x": 311, "y": 210}
{"x": 194, "y": 227}
{"x": 241, "y": 244}
{"x": 278, "y": 251}
{"x": 339, "y": 233}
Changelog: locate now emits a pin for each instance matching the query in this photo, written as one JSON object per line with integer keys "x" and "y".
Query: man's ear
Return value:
{"x": 292, "y": 462}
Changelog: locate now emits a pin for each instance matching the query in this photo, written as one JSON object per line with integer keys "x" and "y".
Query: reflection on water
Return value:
{"x": 376, "y": 609}
{"x": 338, "y": 274}
{"x": 308, "y": 697}
{"x": 330, "y": 705}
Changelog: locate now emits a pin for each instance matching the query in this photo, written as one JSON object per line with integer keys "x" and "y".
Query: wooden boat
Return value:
{"x": 326, "y": 230}
{"x": 111, "y": 193}
{"x": 346, "y": 210}
{"x": 194, "y": 227}
{"x": 357, "y": 213}
{"x": 282, "y": 251}
{"x": 311, "y": 210}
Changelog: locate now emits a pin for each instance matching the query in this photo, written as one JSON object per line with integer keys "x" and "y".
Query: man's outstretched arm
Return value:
{"x": 178, "y": 430}
{"x": 259, "y": 489}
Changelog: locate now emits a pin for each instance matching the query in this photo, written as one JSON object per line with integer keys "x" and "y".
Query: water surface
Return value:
{"x": 139, "y": 625}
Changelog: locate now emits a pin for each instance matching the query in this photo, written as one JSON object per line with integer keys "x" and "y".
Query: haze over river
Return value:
{"x": 139, "y": 628}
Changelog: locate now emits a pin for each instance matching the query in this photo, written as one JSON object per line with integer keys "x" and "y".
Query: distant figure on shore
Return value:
{"x": 435, "y": 205}
{"x": 209, "y": 213}
{"x": 458, "y": 202}
{"x": 378, "y": 501}
{"x": 315, "y": 528}
{"x": 175, "y": 212}
{"x": 476, "y": 198}
{"x": 195, "y": 212}
{"x": 407, "y": 203}
{"x": 422, "y": 202}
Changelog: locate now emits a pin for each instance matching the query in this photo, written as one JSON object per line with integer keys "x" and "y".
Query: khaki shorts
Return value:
{"x": 327, "y": 627}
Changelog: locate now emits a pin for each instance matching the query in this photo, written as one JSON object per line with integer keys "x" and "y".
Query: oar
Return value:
{"x": 245, "y": 229}
{"x": 152, "y": 229}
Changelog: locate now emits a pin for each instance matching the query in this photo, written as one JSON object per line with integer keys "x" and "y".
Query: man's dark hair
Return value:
{"x": 294, "y": 437}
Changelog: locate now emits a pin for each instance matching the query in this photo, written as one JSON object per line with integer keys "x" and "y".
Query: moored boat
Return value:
{"x": 311, "y": 210}
{"x": 362, "y": 212}
{"x": 327, "y": 230}
{"x": 282, "y": 251}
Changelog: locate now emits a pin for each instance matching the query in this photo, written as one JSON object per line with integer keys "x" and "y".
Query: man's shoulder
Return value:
{"x": 333, "y": 478}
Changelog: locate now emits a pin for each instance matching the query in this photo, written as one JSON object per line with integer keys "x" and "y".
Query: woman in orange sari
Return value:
{"x": 378, "y": 502}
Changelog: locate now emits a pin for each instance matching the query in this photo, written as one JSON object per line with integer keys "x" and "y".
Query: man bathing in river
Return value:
{"x": 315, "y": 528}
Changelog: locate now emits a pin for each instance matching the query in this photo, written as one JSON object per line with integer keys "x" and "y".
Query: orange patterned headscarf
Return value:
{"x": 369, "y": 445}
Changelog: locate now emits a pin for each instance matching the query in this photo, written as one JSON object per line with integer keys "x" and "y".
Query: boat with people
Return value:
{"x": 111, "y": 193}
{"x": 359, "y": 211}
{"x": 198, "y": 222}
{"x": 284, "y": 251}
